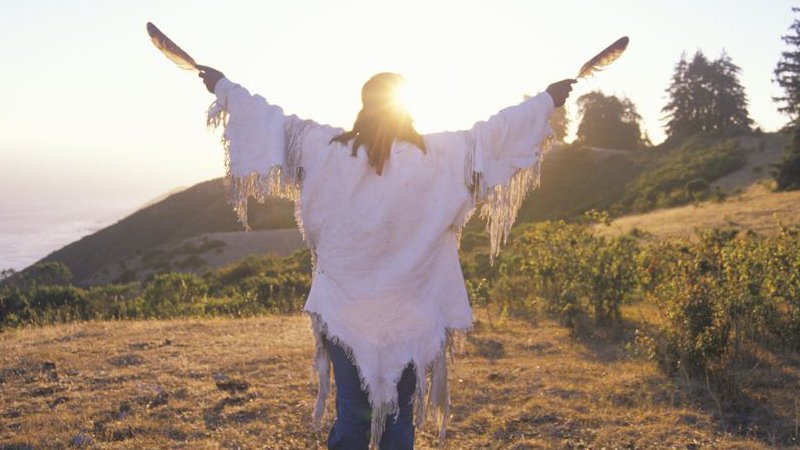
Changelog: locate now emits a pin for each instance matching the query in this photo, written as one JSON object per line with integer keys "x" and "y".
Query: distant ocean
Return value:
{"x": 29, "y": 233}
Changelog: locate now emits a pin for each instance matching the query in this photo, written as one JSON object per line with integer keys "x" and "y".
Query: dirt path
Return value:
{"x": 246, "y": 383}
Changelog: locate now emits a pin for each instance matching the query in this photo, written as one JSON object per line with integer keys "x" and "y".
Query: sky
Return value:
{"x": 92, "y": 112}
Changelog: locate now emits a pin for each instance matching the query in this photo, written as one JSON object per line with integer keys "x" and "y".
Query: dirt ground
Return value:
{"x": 247, "y": 383}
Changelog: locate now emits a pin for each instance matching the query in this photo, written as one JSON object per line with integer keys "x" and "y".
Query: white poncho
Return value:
{"x": 387, "y": 282}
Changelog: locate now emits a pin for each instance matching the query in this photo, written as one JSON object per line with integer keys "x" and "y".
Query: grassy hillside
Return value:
{"x": 200, "y": 209}
{"x": 756, "y": 209}
{"x": 194, "y": 230}
{"x": 762, "y": 152}
{"x": 199, "y": 254}
{"x": 575, "y": 180}
{"x": 222, "y": 383}
{"x": 191, "y": 230}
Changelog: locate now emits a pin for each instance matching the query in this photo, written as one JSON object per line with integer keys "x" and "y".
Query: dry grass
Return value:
{"x": 751, "y": 205}
{"x": 762, "y": 152}
{"x": 755, "y": 209}
{"x": 246, "y": 383}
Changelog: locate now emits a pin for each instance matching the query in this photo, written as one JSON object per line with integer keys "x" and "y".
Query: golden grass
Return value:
{"x": 755, "y": 209}
{"x": 161, "y": 384}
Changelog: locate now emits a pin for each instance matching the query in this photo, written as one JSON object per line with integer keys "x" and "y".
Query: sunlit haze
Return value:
{"x": 93, "y": 112}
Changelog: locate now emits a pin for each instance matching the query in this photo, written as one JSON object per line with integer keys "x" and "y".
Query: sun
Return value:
{"x": 436, "y": 104}
{"x": 423, "y": 104}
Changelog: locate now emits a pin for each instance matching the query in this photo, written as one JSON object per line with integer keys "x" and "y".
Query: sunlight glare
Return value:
{"x": 423, "y": 105}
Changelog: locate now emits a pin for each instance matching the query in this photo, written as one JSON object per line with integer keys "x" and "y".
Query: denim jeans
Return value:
{"x": 351, "y": 429}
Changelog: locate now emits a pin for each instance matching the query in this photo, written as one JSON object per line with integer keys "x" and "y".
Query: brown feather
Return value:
{"x": 170, "y": 49}
{"x": 604, "y": 58}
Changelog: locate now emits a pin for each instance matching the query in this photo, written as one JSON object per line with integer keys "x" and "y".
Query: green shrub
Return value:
{"x": 573, "y": 271}
{"x": 173, "y": 295}
{"x": 612, "y": 276}
{"x": 677, "y": 175}
{"x": 116, "y": 301}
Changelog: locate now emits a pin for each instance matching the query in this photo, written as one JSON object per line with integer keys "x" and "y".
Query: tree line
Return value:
{"x": 704, "y": 96}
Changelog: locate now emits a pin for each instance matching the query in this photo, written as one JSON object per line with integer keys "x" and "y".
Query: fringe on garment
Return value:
{"x": 501, "y": 203}
{"x": 278, "y": 181}
{"x": 431, "y": 393}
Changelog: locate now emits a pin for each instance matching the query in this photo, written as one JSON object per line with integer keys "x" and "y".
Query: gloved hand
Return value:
{"x": 559, "y": 91}
{"x": 210, "y": 77}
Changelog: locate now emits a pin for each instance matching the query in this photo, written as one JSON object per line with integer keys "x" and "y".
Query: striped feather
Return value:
{"x": 604, "y": 58}
{"x": 170, "y": 49}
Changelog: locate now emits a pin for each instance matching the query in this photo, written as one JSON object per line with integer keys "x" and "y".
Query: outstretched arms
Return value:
{"x": 504, "y": 156}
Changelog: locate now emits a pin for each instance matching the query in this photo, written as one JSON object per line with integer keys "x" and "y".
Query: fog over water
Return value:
{"x": 29, "y": 232}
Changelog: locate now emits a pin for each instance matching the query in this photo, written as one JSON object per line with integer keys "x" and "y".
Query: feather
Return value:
{"x": 170, "y": 49}
{"x": 604, "y": 58}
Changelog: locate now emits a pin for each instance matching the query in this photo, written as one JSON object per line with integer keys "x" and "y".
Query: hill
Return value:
{"x": 199, "y": 254}
{"x": 192, "y": 230}
{"x": 196, "y": 230}
{"x": 199, "y": 210}
{"x": 577, "y": 179}
{"x": 244, "y": 383}
{"x": 748, "y": 203}
{"x": 756, "y": 209}
{"x": 762, "y": 152}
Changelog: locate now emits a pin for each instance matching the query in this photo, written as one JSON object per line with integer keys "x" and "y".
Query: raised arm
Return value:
{"x": 514, "y": 138}
{"x": 262, "y": 145}
{"x": 504, "y": 159}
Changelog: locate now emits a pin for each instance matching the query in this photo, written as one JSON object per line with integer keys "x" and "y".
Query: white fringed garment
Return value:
{"x": 387, "y": 283}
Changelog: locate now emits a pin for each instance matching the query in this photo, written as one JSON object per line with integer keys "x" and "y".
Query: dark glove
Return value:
{"x": 559, "y": 91}
{"x": 210, "y": 77}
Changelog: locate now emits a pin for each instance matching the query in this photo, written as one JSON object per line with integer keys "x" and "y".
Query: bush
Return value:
{"x": 681, "y": 174}
{"x": 116, "y": 301}
{"x": 781, "y": 261}
{"x": 721, "y": 297}
{"x": 569, "y": 268}
{"x": 612, "y": 276}
{"x": 698, "y": 189}
{"x": 174, "y": 294}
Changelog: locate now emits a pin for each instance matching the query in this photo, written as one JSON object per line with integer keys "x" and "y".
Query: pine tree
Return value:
{"x": 787, "y": 75}
{"x": 787, "y": 172}
{"x": 680, "y": 98}
{"x": 729, "y": 110}
{"x": 787, "y": 72}
{"x": 559, "y": 122}
{"x": 706, "y": 96}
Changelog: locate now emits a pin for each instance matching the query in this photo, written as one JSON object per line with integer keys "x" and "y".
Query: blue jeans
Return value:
{"x": 351, "y": 429}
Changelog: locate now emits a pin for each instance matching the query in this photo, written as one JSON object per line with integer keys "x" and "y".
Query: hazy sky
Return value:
{"x": 91, "y": 110}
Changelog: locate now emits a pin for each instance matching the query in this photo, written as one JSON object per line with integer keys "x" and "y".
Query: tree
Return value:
{"x": 787, "y": 75}
{"x": 787, "y": 172}
{"x": 559, "y": 122}
{"x": 787, "y": 72}
{"x": 609, "y": 122}
{"x": 706, "y": 96}
{"x": 729, "y": 101}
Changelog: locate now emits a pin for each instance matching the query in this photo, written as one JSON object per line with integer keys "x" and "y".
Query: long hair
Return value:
{"x": 381, "y": 121}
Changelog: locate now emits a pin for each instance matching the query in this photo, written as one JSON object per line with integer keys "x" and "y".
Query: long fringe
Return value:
{"x": 502, "y": 203}
{"x": 274, "y": 183}
{"x": 432, "y": 392}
